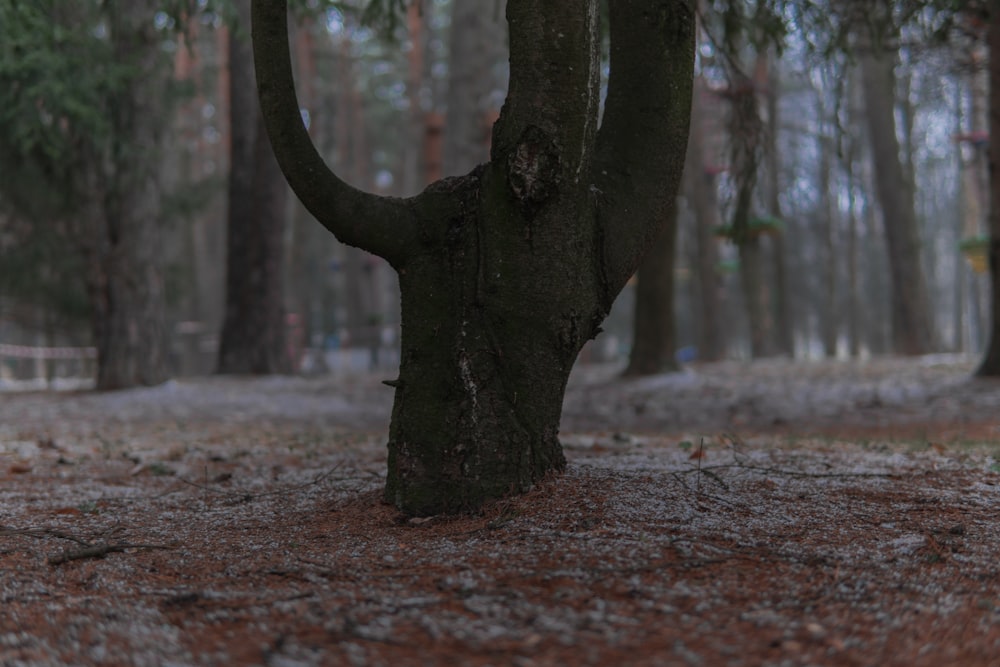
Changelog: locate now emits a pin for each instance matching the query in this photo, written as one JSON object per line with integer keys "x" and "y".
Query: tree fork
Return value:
{"x": 506, "y": 272}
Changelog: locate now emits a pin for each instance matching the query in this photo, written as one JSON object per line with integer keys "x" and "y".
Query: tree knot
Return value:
{"x": 533, "y": 169}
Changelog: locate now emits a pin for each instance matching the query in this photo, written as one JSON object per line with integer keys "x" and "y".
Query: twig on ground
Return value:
{"x": 87, "y": 549}
{"x": 246, "y": 496}
{"x": 41, "y": 533}
{"x": 99, "y": 551}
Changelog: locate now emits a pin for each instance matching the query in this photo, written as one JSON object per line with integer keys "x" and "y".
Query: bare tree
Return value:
{"x": 507, "y": 271}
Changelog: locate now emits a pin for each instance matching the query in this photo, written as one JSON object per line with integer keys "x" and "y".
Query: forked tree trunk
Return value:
{"x": 507, "y": 271}
{"x": 990, "y": 366}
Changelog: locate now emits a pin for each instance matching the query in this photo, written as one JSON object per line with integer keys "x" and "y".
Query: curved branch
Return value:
{"x": 643, "y": 136}
{"x": 384, "y": 226}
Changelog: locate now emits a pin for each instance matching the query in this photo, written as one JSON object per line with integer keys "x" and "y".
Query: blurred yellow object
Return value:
{"x": 976, "y": 251}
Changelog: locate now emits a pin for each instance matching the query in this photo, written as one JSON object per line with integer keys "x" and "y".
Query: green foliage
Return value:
{"x": 754, "y": 227}
{"x": 974, "y": 243}
{"x": 59, "y": 81}
{"x": 830, "y": 27}
{"x": 383, "y": 14}
{"x": 56, "y": 72}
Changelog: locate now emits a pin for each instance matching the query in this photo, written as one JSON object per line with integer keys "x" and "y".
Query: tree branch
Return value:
{"x": 384, "y": 226}
{"x": 643, "y": 137}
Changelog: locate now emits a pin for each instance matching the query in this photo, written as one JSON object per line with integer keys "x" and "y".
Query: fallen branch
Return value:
{"x": 87, "y": 549}
{"x": 99, "y": 551}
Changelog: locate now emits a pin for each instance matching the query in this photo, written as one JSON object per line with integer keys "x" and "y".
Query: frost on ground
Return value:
{"x": 763, "y": 514}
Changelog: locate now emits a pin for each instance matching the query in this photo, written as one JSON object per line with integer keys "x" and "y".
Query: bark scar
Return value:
{"x": 533, "y": 170}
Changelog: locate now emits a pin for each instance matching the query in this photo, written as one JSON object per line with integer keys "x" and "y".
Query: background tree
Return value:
{"x": 475, "y": 53}
{"x": 990, "y": 366}
{"x": 701, "y": 189}
{"x": 84, "y": 119}
{"x": 507, "y": 271}
{"x": 253, "y": 330}
{"x": 653, "y": 340}
{"x": 912, "y": 326}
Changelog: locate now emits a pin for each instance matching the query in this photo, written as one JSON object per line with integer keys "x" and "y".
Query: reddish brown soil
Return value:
{"x": 239, "y": 522}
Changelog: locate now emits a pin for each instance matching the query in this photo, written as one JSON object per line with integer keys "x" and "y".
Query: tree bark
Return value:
{"x": 126, "y": 276}
{"x": 990, "y": 365}
{"x": 746, "y": 134}
{"x": 912, "y": 328}
{"x": 702, "y": 190}
{"x": 253, "y": 330}
{"x": 829, "y": 317}
{"x": 653, "y": 337}
{"x": 504, "y": 273}
{"x": 784, "y": 329}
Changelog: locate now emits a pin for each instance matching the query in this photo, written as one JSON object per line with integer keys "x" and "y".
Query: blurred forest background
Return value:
{"x": 835, "y": 200}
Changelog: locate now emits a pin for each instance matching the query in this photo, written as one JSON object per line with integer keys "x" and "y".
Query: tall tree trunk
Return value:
{"x": 653, "y": 337}
{"x": 784, "y": 333}
{"x": 757, "y": 297}
{"x": 829, "y": 317}
{"x": 126, "y": 279}
{"x": 253, "y": 330}
{"x": 990, "y": 366}
{"x": 700, "y": 185}
{"x": 850, "y": 141}
{"x": 853, "y": 301}
{"x": 475, "y": 49}
{"x": 746, "y": 134}
{"x": 912, "y": 325}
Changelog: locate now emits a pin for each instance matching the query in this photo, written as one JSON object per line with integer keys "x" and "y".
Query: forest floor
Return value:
{"x": 735, "y": 514}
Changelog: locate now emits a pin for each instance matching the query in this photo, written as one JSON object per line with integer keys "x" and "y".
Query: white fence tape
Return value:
{"x": 28, "y": 352}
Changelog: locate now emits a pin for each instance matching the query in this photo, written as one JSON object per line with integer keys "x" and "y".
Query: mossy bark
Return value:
{"x": 504, "y": 273}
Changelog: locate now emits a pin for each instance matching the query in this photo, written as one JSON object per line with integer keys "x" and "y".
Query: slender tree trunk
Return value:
{"x": 475, "y": 50}
{"x": 757, "y": 297}
{"x": 414, "y": 167}
{"x": 853, "y": 301}
{"x": 784, "y": 330}
{"x": 126, "y": 280}
{"x": 829, "y": 317}
{"x": 746, "y": 134}
{"x": 701, "y": 188}
{"x": 253, "y": 330}
{"x": 913, "y": 331}
{"x": 653, "y": 337}
{"x": 990, "y": 366}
